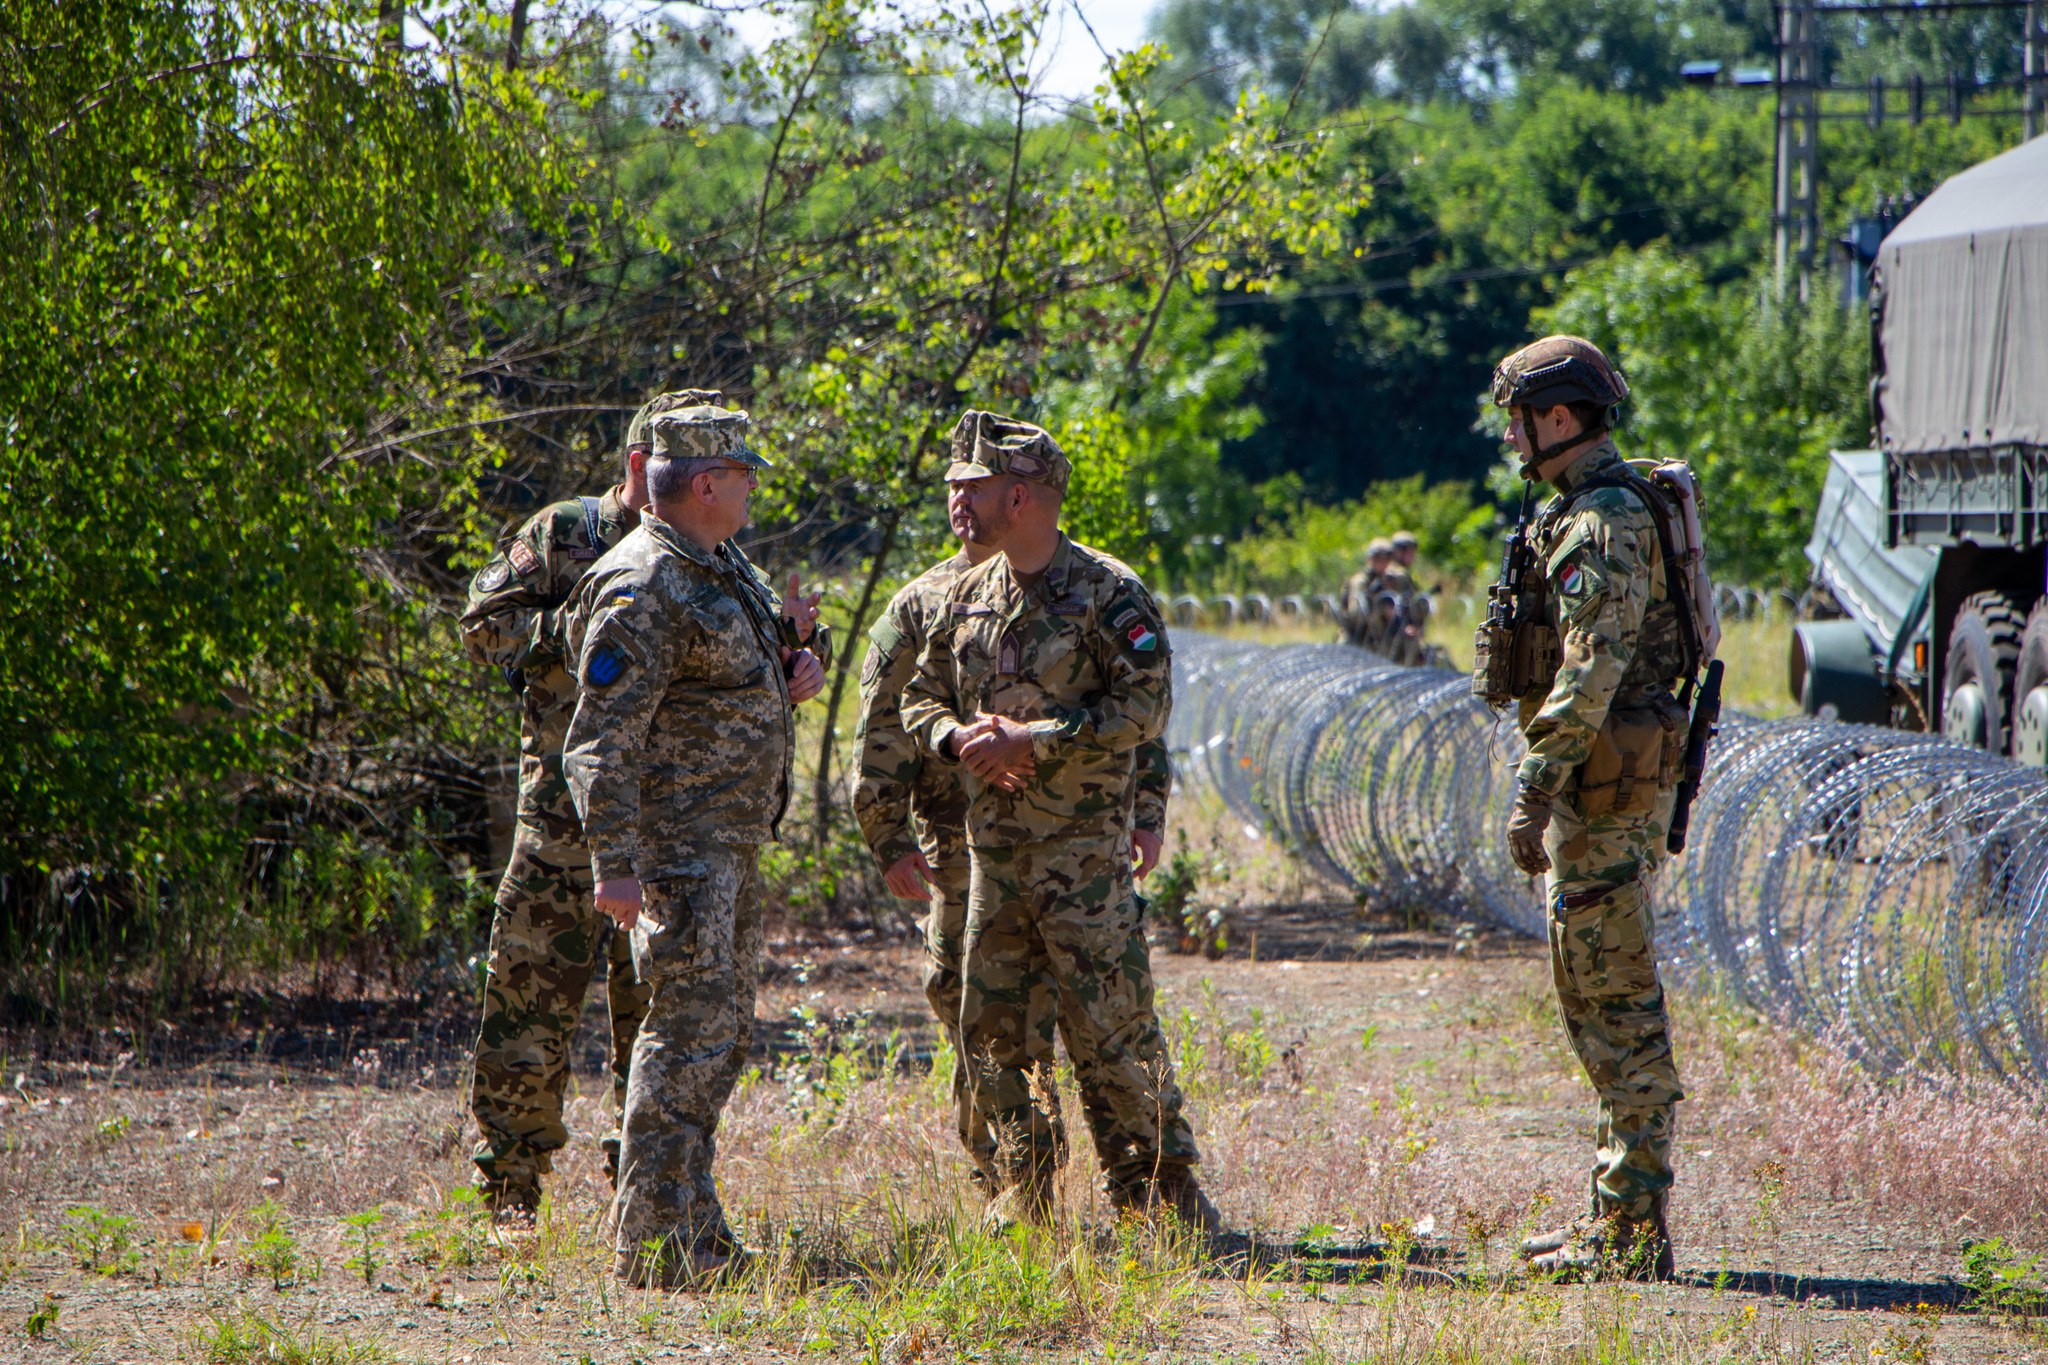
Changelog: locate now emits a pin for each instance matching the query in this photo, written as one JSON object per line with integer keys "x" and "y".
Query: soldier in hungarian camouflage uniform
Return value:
{"x": 1410, "y": 604}
{"x": 1045, "y": 674}
{"x": 913, "y": 815}
{"x": 679, "y": 760}
{"x": 1606, "y": 738}
{"x": 546, "y": 936}
{"x": 1367, "y": 606}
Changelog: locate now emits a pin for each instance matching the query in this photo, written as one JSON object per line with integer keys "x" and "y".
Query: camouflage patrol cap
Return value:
{"x": 1558, "y": 369}
{"x": 986, "y": 443}
{"x": 1379, "y": 548}
{"x": 705, "y": 431}
{"x": 638, "y": 433}
{"x": 1404, "y": 540}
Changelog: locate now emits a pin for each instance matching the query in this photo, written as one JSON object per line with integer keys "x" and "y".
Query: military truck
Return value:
{"x": 1934, "y": 546}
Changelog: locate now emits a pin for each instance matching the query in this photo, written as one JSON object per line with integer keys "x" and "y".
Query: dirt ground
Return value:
{"x": 1350, "y": 1083}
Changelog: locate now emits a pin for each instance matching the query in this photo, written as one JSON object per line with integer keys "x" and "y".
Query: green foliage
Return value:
{"x": 1314, "y": 547}
{"x": 42, "y": 1317}
{"x": 98, "y": 1241}
{"x": 272, "y": 1250}
{"x": 252, "y": 1339}
{"x": 454, "y": 1235}
{"x": 1196, "y": 924}
{"x": 366, "y": 1250}
{"x": 2003, "y": 1280}
{"x": 1754, "y": 390}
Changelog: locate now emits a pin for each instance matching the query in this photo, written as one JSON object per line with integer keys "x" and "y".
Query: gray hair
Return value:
{"x": 669, "y": 480}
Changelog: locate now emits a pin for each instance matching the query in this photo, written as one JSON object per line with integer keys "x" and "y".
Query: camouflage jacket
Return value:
{"x": 682, "y": 732}
{"x": 1081, "y": 657}
{"x": 904, "y": 803}
{"x": 514, "y": 623}
{"x": 1617, "y": 623}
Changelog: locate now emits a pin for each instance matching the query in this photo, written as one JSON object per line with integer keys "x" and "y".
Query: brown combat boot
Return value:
{"x": 1612, "y": 1246}
{"x": 514, "y": 1208}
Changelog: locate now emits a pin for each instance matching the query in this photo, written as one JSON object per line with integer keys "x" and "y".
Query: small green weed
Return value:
{"x": 42, "y": 1317}
{"x": 2003, "y": 1281}
{"x": 368, "y": 1251}
{"x": 273, "y": 1251}
{"x": 455, "y": 1234}
{"x": 101, "y": 1242}
{"x": 252, "y": 1339}
{"x": 112, "y": 1130}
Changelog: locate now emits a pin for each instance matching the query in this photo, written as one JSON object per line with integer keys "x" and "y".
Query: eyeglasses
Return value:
{"x": 745, "y": 469}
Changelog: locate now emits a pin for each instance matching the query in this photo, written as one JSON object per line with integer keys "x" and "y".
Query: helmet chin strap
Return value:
{"x": 1540, "y": 455}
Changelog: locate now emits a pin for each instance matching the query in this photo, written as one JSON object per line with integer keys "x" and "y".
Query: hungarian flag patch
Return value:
{"x": 1570, "y": 581}
{"x": 1141, "y": 638}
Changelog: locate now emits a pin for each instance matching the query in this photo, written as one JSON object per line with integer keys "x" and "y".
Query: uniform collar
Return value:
{"x": 1599, "y": 457}
{"x": 1052, "y": 584}
{"x": 612, "y": 508}
{"x": 670, "y": 538}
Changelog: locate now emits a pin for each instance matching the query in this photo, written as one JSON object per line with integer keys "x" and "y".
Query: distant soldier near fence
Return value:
{"x": 1365, "y": 609}
{"x": 1048, "y": 672}
{"x": 913, "y": 814}
{"x": 1588, "y": 636}
{"x": 546, "y": 935}
{"x": 1410, "y": 606}
{"x": 679, "y": 760}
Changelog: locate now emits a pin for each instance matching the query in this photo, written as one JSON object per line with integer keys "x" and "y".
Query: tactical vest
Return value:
{"x": 1663, "y": 651}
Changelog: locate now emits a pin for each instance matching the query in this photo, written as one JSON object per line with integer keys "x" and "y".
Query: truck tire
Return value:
{"x": 1983, "y": 656}
{"x": 2030, "y": 691}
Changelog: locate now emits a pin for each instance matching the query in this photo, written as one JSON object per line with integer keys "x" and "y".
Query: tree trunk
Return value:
{"x": 517, "y": 40}
{"x": 821, "y": 790}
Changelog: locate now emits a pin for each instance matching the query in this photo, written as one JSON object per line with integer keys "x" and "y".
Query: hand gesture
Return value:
{"x": 908, "y": 877}
{"x": 801, "y": 610}
{"x": 997, "y": 750}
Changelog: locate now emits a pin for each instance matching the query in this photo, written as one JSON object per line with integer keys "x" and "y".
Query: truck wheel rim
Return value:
{"x": 2030, "y": 729}
{"x": 1963, "y": 717}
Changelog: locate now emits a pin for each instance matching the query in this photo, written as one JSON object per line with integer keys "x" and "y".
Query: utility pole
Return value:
{"x": 1796, "y": 206}
{"x": 2035, "y": 98}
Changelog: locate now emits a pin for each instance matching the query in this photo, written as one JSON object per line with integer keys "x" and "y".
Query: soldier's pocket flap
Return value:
{"x": 1632, "y": 759}
{"x": 672, "y": 909}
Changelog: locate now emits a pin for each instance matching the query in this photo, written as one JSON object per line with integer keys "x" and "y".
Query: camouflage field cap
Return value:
{"x": 1379, "y": 548}
{"x": 1558, "y": 369}
{"x": 1404, "y": 540}
{"x": 987, "y": 443}
{"x": 637, "y": 431}
{"x": 705, "y": 431}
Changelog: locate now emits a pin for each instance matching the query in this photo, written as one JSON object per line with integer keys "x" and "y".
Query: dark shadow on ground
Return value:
{"x": 1837, "y": 1291}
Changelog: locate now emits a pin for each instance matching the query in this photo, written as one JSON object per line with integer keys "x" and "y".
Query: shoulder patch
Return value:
{"x": 493, "y": 576}
{"x": 1140, "y": 637}
{"x": 1123, "y": 619}
{"x": 885, "y": 637}
{"x": 523, "y": 559}
{"x": 604, "y": 668}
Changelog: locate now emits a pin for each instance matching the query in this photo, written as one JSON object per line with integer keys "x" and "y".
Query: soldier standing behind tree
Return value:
{"x": 546, "y": 934}
{"x": 679, "y": 760}
{"x": 1606, "y": 739}
{"x": 1046, "y": 675}
{"x": 913, "y": 812}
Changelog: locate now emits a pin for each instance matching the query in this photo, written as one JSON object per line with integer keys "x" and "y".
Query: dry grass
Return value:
{"x": 1335, "y": 1098}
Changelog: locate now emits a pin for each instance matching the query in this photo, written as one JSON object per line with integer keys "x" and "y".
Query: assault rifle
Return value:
{"x": 1706, "y": 720}
{"x": 1494, "y": 679}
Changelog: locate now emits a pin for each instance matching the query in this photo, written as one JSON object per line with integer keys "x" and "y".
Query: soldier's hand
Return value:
{"x": 801, "y": 610}
{"x": 806, "y": 674}
{"x": 908, "y": 877}
{"x": 1146, "y": 845}
{"x": 619, "y": 897}
{"x": 999, "y": 750}
{"x": 1526, "y": 823}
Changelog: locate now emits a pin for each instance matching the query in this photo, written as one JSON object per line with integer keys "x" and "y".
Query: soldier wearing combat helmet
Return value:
{"x": 1596, "y": 651}
{"x": 1364, "y": 604}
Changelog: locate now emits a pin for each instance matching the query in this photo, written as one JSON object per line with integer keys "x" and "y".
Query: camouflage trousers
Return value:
{"x": 702, "y": 966}
{"x": 1603, "y": 959}
{"x": 546, "y": 937}
{"x": 1054, "y": 941}
{"x": 945, "y": 930}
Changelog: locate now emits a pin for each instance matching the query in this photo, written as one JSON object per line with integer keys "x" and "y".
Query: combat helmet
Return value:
{"x": 1555, "y": 370}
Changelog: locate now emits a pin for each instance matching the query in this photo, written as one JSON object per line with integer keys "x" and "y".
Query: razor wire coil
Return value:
{"x": 1886, "y": 888}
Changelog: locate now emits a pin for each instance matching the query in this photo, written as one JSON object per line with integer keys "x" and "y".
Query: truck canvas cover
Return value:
{"x": 1963, "y": 329}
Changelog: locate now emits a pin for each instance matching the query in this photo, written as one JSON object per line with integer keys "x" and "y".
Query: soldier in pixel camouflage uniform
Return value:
{"x": 1606, "y": 741}
{"x": 913, "y": 813}
{"x": 1044, "y": 676}
{"x": 678, "y": 757}
{"x": 546, "y": 935}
